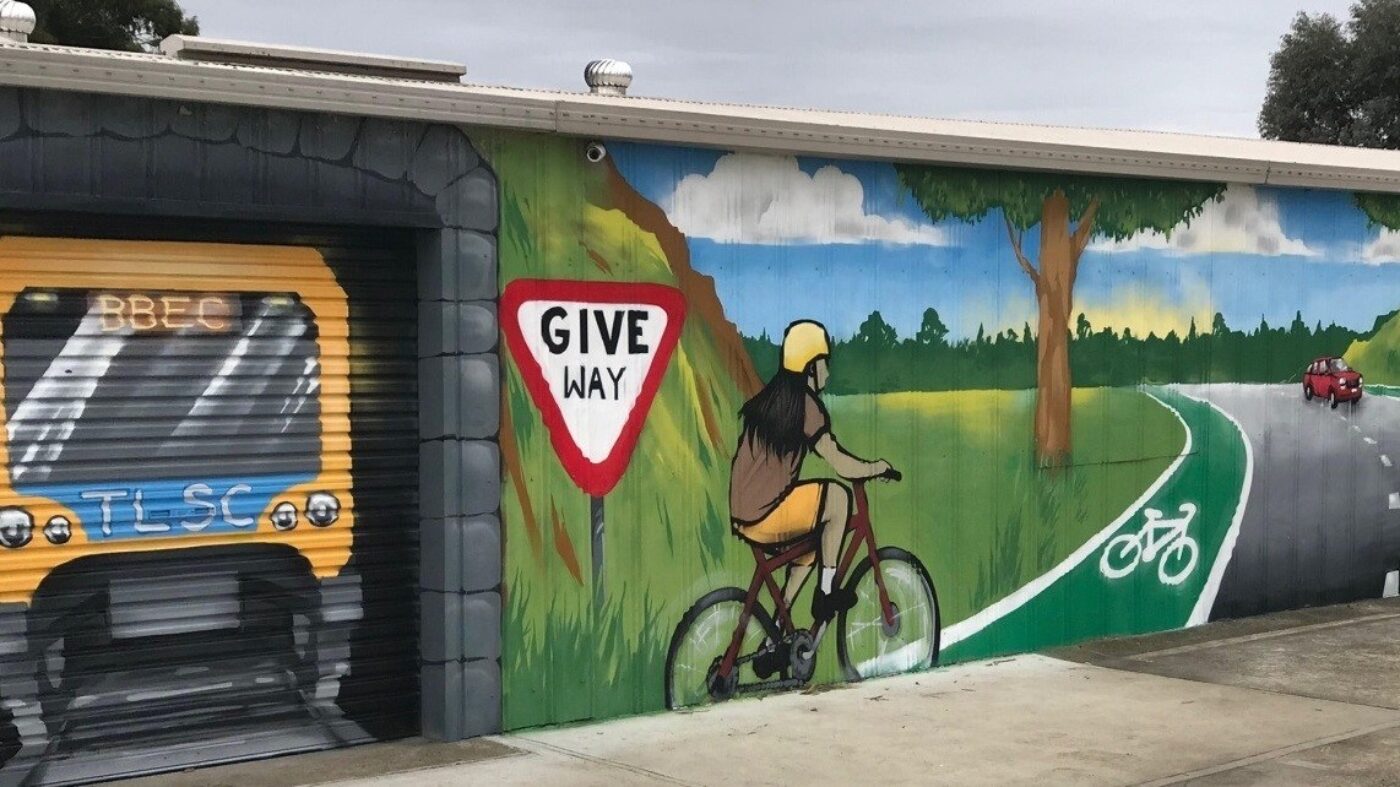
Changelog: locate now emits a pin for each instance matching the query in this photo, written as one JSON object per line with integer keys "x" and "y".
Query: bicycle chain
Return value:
{"x": 782, "y": 684}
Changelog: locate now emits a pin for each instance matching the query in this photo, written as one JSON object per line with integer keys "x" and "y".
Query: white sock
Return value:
{"x": 828, "y": 576}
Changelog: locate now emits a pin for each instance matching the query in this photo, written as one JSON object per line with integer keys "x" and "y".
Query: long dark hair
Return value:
{"x": 775, "y": 415}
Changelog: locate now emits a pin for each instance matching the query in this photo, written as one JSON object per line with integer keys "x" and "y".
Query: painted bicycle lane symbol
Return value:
{"x": 1159, "y": 537}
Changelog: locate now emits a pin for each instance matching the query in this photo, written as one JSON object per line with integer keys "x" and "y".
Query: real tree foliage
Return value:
{"x": 1337, "y": 83}
{"x": 881, "y": 362}
{"x": 1069, "y": 211}
{"x": 127, "y": 25}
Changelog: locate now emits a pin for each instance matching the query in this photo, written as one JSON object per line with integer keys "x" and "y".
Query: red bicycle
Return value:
{"x": 893, "y": 627}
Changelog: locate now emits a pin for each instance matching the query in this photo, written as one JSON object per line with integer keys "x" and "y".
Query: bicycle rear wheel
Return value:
{"x": 867, "y": 646}
{"x": 700, "y": 641}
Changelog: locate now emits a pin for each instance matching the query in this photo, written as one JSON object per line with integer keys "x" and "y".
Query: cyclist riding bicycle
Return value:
{"x": 768, "y": 504}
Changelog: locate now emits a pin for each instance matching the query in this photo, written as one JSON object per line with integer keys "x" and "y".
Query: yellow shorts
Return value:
{"x": 795, "y": 516}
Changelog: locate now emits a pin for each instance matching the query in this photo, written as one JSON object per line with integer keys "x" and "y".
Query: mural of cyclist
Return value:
{"x": 768, "y": 504}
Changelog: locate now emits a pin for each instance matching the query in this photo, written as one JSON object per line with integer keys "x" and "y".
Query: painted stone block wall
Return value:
{"x": 235, "y": 505}
{"x": 1114, "y": 405}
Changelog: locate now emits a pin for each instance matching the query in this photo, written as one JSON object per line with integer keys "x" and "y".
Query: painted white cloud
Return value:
{"x": 1241, "y": 223}
{"x": 752, "y": 198}
{"x": 1384, "y": 248}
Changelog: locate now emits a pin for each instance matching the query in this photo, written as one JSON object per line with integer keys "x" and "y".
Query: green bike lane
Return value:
{"x": 1075, "y": 601}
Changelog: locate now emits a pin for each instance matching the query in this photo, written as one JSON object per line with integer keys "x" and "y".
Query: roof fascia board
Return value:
{"x": 874, "y": 143}
{"x": 1107, "y": 152}
{"x": 170, "y": 79}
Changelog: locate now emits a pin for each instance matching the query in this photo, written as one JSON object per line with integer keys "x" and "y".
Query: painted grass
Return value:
{"x": 972, "y": 507}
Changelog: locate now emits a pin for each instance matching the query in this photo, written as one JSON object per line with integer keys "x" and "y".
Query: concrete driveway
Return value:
{"x": 1309, "y": 697}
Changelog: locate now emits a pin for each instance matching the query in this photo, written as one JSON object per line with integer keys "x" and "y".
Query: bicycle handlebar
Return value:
{"x": 889, "y": 475}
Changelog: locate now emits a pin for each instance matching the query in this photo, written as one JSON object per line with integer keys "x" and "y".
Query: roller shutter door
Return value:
{"x": 208, "y": 507}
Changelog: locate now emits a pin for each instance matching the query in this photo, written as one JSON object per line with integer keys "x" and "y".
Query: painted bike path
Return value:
{"x": 1076, "y": 601}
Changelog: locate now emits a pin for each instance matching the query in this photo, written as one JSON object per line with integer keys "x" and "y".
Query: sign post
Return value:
{"x": 595, "y": 544}
{"x": 592, "y": 356}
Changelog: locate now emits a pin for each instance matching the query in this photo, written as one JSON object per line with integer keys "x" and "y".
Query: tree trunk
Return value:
{"x": 1054, "y": 292}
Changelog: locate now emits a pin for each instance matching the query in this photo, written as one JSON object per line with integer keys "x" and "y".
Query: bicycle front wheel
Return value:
{"x": 1178, "y": 561}
{"x": 700, "y": 641}
{"x": 867, "y": 645}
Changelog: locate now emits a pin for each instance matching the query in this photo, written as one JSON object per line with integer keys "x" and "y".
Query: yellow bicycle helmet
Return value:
{"x": 803, "y": 342}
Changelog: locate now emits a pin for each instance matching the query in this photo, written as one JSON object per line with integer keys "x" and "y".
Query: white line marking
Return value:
{"x": 1385, "y": 460}
{"x": 1369, "y": 441}
{"x": 997, "y": 610}
{"x": 1395, "y": 501}
{"x": 1206, "y": 601}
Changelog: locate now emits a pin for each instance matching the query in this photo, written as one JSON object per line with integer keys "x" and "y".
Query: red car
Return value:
{"x": 1331, "y": 379}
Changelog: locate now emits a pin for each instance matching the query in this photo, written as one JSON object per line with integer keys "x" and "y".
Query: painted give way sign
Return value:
{"x": 592, "y": 355}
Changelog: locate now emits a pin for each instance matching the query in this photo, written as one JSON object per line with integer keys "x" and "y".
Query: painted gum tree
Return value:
{"x": 1382, "y": 210}
{"x": 1070, "y": 211}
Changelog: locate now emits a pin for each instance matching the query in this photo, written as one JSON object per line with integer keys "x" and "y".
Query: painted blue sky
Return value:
{"x": 812, "y": 238}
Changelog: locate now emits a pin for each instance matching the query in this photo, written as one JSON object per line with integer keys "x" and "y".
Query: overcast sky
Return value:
{"x": 1187, "y": 65}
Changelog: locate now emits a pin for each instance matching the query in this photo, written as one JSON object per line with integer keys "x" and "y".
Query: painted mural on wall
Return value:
{"x": 924, "y": 414}
{"x": 177, "y": 505}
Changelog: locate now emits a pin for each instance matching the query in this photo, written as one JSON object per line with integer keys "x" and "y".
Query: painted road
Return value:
{"x": 1323, "y": 521}
{"x": 1134, "y": 592}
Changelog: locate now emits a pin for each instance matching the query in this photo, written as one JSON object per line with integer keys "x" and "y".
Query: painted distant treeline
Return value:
{"x": 877, "y": 360}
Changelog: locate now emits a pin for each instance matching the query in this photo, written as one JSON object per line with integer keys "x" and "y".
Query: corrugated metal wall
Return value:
{"x": 230, "y": 435}
{"x": 1094, "y": 388}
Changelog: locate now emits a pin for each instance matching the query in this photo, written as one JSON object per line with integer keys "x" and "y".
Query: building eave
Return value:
{"x": 736, "y": 127}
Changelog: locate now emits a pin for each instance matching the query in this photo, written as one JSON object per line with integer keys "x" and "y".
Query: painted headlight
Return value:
{"x": 58, "y": 530}
{"x": 16, "y": 527}
{"x": 284, "y": 516}
{"x": 322, "y": 509}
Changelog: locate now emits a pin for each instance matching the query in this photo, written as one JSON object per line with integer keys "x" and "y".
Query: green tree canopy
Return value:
{"x": 128, "y": 25}
{"x": 1126, "y": 206}
{"x": 931, "y": 329}
{"x": 1382, "y": 210}
{"x": 875, "y": 334}
{"x": 1337, "y": 84}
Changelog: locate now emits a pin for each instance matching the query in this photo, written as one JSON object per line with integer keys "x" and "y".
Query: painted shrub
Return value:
{"x": 1094, "y": 388}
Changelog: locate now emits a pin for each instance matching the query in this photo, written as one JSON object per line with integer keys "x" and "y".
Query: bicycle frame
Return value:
{"x": 1153, "y": 542}
{"x": 1155, "y": 524}
{"x": 862, "y": 535}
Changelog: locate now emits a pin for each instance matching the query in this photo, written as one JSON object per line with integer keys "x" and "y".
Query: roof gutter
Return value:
{"x": 1109, "y": 152}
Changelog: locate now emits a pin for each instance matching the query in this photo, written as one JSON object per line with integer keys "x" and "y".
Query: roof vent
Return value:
{"x": 16, "y": 21}
{"x": 240, "y": 53}
{"x": 608, "y": 77}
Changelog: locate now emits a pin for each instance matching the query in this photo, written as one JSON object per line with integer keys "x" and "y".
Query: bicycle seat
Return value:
{"x": 810, "y": 540}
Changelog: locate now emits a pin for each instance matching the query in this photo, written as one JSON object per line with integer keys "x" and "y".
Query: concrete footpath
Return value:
{"x": 1309, "y": 697}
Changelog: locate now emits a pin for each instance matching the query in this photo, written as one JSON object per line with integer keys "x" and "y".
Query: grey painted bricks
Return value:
{"x": 459, "y": 420}
{"x": 97, "y": 154}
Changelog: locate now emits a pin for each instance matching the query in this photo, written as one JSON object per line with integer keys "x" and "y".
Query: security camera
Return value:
{"x": 596, "y": 152}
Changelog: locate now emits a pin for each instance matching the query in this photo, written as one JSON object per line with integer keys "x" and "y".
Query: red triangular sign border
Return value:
{"x": 595, "y": 478}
